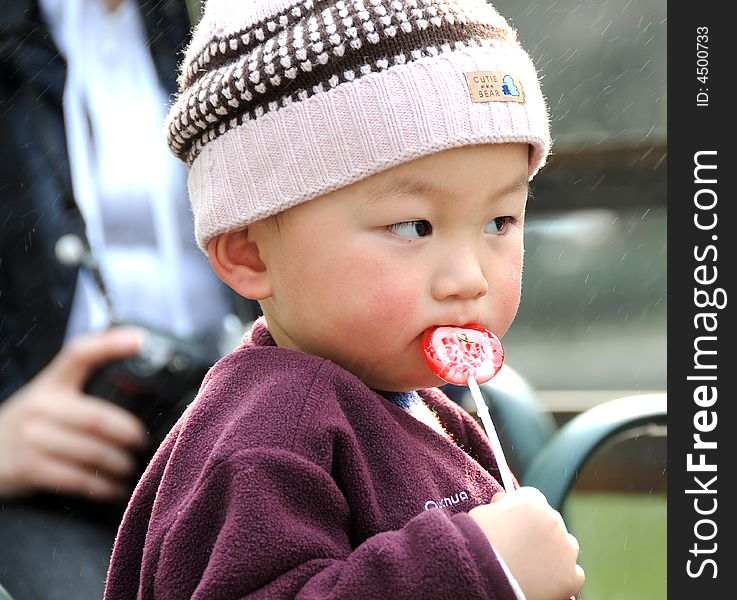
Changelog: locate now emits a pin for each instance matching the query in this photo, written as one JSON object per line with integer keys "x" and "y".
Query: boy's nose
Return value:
{"x": 461, "y": 277}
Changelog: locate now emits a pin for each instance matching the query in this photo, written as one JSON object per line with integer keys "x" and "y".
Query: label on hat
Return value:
{"x": 494, "y": 86}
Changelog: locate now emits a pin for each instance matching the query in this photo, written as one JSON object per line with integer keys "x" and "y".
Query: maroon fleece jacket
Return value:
{"x": 287, "y": 477}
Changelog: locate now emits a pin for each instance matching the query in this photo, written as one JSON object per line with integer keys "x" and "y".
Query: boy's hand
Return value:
{"x": 533, "y": 541}
{"x": 55, "y": 438}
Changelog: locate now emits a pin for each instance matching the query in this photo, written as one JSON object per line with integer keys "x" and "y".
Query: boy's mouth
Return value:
{"x": 462, "y": 324}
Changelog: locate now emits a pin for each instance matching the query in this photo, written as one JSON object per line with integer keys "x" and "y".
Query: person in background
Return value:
{"x": 84, "y": 89}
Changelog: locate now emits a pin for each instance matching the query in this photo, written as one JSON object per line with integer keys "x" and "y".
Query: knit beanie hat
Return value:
{"x": 283, "y": 101}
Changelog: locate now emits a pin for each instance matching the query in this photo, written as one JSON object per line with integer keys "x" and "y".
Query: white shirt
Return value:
{"x": 129, "y": 187}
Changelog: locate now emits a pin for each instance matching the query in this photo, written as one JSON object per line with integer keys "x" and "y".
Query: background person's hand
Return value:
{"x": 56, "y": 438}
{"x": 532, "y": 539}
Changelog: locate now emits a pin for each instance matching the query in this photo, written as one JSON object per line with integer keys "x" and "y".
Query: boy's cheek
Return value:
{"x": 389, "y": 305}
{"x": 377, "y": 281}
{"x": 397, "y": 303}
{"x": 509, "y": 306}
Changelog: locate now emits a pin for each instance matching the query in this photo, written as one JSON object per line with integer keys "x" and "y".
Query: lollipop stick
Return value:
{"x": 483, "y": 411}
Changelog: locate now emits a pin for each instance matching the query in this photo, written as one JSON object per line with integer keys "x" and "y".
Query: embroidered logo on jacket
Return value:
{"x": 447, "y": 501}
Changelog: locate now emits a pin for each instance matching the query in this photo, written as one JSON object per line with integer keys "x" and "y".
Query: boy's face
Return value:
{"x": 358, "y": 275}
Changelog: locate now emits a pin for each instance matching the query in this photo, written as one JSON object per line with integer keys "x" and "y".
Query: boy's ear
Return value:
{"x": 237, "y": 261}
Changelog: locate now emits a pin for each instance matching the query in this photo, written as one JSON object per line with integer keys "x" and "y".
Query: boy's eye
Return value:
{"x": 411, "y": 229}
{"x": 497, "y": 225}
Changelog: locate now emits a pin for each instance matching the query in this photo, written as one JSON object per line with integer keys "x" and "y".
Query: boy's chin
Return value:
{"x": 424, "y": 381}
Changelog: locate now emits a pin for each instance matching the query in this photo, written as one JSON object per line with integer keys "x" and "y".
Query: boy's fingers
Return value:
{"x": 580, "y": 575}
{"x": 532, "y": 492}
{"x": 522, "y": 493}
{"x": 79, "y": 358}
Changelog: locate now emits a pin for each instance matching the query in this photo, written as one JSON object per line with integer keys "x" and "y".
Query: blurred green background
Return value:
{"x": 592, "y": 323}
{"x": 622, "y": 539}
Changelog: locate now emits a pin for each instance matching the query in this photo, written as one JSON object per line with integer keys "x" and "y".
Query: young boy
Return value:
{"x": 361, "y": 169}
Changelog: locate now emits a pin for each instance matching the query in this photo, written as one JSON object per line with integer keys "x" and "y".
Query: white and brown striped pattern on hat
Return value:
{"x": 311, "y": 47}
{"x": 283, "y": 101}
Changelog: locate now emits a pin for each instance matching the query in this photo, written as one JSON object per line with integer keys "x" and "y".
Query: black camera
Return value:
{"x": 157, "y": 383}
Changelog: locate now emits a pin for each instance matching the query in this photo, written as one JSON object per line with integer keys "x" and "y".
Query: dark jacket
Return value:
{"x": 36, "y": 202}
{"x": 288, "y": 477}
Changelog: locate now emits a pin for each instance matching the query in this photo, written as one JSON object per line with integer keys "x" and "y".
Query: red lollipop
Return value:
{"x": 456, "y": 353}
{"x": 469, "y": 355}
